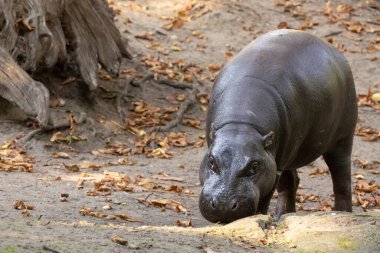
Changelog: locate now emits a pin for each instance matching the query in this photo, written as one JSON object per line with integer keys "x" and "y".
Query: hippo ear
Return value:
{"x": 268, "y": 139}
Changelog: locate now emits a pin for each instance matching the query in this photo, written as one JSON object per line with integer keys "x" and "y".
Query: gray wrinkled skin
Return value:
{"x": 282, "y": 102}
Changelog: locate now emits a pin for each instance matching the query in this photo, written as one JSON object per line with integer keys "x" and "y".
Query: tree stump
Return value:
{"x": 38, "y": 34}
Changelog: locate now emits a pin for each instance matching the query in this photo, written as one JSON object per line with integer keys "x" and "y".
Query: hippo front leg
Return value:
{"x": 263, "y": 205}
{"x": 287, "y": 189}
{"x": 204, "y": 171}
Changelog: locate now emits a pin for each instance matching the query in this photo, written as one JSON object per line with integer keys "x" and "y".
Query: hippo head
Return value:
{"x": 238, "y": 170}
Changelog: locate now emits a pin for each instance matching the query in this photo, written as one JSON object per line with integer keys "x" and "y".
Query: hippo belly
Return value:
{"x": 283, "y": 101}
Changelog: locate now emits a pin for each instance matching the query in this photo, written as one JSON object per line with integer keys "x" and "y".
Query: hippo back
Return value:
{"x": 293, "y": 84}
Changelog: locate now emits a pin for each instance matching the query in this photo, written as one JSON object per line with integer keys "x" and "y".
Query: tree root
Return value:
{"x": 161, "y": 80}
{"x": 29, "y": 136}
{"x": 120, "y": 100}
{"x": 190, "y": 100}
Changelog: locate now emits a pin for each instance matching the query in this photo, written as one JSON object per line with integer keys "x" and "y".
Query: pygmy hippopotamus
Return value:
{"x": 283, "y": 101}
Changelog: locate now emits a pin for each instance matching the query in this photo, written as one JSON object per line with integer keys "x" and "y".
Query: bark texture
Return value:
{"x": 38, "y": 34}
{"x": 17, "y": 87}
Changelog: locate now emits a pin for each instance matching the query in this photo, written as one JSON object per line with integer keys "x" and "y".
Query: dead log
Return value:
{"x": 17, "y": 87}
{"x": 38, "y": 34}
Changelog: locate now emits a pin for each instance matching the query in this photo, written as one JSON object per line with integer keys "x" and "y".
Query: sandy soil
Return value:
{"x": 210, "y": 36}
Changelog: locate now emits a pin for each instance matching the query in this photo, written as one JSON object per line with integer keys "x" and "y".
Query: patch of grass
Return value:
{"x": 8, "y": 249}
{"x": 346, "y": 243}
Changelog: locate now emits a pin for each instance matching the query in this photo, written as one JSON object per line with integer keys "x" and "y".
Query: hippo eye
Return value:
{"x": 212, "y": 164}
{"x": 253, "y": 169}
{"x": 254, "y": 165}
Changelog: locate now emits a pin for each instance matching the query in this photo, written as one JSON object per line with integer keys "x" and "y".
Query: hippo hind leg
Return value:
{"x": 338, "y": 159}
{"x": 287, "y": 189}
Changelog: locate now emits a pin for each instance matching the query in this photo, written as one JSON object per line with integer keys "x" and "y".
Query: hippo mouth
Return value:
{"x": 226, "y": 211}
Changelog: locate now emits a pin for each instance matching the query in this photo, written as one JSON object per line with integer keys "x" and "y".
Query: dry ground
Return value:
{"x": 212, "y": 32}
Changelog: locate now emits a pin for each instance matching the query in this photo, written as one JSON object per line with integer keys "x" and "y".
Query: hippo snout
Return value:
{"x": 226, "y": 210}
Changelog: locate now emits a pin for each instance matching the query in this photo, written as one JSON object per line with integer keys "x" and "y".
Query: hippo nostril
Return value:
{"x": 234, "y": 207}
{"x": 213, "y": 204}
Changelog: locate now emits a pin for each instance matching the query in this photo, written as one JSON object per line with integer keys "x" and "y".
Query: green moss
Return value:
{"x": 8, "y": 249}
{"x": 346, "y": 243}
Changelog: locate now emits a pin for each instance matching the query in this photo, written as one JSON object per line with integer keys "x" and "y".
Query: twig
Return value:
{"x": 29, "y": 136}
{"x": 373, "y": 22}
{"x": 332, "y": 34}
{"x": 148, "y": 196}
{"x": 11, "y": 121}
{"x": 50, "y": 249}
{"x": 171, "y": 83}
{"x": 190, "y": 100}
{"x": 177, "y": 85}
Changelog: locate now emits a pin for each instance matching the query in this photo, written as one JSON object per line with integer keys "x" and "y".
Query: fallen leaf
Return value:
{"x": 369, "y": 99}
{"x": 181, "y": 97}
{"x": 25, "y": 213}
{"x": 80, "y": 183}
{"x": 376, "y": 97}
{"x": 107, "y": 207}
{"x": 183, "y": 223}
{"x": 89, "y": 165}
{"x": 325, "y": 206}
{"x": 366, "y": 164}
{"x": 214, "y": 67}
{"x": 105, "y": 77}
{"x": 204, "y": 99}
{"x": 119, "y": 240}
{"x": 355, "y": 27}
{"x": 90, "y": 212}
{"x": 319, "y": 171}
{"x": 64, "y": 197}
{"x": 228, "y": 55}
{"x": 178, "y": 139}
{"x": 56, "y": 102}
{"x": 208, "y": 250}
{"x": 92, "y": 193}
{"x": 148, "y": 184}
{"x": 328, "y": 9}
{"x": 196, "y": 123}
{"x": 127, "y": 218}
{"x": 159, "y": 153}
{"x": 167, "y": 178}
{"x": 290, "y": 4}
{"x": 60, "y": 155}
{"x": 283, "y": 25}
{"x": 72, "y": 167}
{"x": 145, "y": 36}
{"x": 13, "y": 158}
{"x": 344, "y": 8}
{"x": 59, "y": 137}
{"x": 359, "y": 176}
{"x": 176, "y": 23}
{"x": 162, "y": 203}
{"x": 173, "y": 188}
{"x": 175, "y": 47}
{"x": 365, "y": 187}
{"x": 367, "y": 133}
{"x": 19, "y": 205}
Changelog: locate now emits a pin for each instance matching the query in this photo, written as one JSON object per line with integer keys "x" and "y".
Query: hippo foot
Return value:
{"x": 277, "y": 217}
